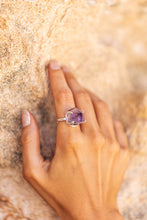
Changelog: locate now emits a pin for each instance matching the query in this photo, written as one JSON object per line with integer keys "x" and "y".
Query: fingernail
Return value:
{"x": 25, "y": 118}
{"x": 65, "y": 69}
{"x": 54, "y": 65}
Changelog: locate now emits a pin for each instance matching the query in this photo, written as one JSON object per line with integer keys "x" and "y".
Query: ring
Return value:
{"x": 73, "y": 117}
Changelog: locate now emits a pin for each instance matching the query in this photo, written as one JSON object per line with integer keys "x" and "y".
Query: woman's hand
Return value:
{"x": 83, "y": 179}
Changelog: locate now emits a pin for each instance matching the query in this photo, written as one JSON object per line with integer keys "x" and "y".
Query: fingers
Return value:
{"x": 104, "y": 117}
{"x": 120, "y": 134}
{"x": 113, "y": 127}
{"x": 62, "y": 94}
{"x": 35, "y": 169}
{"x": 30, "y": 139}
{"x": 82, "y": 101}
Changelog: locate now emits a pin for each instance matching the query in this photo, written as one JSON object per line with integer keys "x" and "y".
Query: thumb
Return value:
{"x": 30, "y": 140}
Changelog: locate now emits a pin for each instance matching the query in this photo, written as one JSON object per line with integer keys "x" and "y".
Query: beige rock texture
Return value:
{"x": 104, "y": 42}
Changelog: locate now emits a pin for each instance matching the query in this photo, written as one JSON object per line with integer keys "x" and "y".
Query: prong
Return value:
{"x": 73, "y": 125}
{"x": 69, "y": 112}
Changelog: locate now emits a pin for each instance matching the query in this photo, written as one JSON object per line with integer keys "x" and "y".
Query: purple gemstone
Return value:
{"x": 74, "y": 116}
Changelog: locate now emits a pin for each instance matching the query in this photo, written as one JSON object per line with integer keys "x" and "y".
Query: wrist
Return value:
{"x": 113, "y": 214}
{"x": 99, "y": 215}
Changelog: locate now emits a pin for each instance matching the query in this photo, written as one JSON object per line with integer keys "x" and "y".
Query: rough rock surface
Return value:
{"x": 105, "y": 44}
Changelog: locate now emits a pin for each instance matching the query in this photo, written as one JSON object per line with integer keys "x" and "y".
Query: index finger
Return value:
{"x": 62, "y": 95}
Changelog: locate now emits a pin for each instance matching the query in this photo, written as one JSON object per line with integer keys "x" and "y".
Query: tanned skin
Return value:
{"x": 84, "y": 177}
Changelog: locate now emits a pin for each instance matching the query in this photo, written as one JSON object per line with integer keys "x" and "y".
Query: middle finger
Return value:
{"x": 83, "y": 102}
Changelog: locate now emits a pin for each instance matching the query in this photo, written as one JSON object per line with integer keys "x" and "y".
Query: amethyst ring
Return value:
{"x": 73, "y": 117}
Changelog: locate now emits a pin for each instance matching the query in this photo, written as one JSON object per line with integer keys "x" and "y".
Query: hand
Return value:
{"x": 83, "y": 179}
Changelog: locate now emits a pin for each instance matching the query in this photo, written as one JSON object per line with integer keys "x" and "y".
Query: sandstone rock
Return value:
{"x": 104, "y": 43}
{"x": 19, "y": 201}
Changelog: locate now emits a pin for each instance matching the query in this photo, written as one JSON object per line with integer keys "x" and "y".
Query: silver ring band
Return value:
{"x": 61, "y": 119}
{"x": 73, "y": 117}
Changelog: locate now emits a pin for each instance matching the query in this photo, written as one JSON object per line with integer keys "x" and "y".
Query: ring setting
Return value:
{"x": 73, "y": 117}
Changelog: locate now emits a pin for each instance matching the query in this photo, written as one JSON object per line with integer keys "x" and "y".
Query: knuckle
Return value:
{"x": 125, "y": 149}
{"x": 82, "y": 94}
{"x": 99, "y": 140}
{"x": 73, "y": 143}
{"x": 102, "y": 105}
{"x": 26, "y": 174}
{"x": 29, "y": 173}
{"x": 26, "y": 138}
{"x": 64, "y": 95}
{"x": 74, "y": 146}
{"x": 114, "y": 146}
{"x": 118, "y": 123}
{"x": 128, "y": 152}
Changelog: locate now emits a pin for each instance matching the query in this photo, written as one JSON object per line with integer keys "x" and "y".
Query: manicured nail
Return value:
{"x": 25, "y": 118}
{"x": 65, "y": 69}
{"x": 54, "y": 65}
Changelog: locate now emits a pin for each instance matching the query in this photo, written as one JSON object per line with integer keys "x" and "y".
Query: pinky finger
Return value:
{"x": 120, "y": 134}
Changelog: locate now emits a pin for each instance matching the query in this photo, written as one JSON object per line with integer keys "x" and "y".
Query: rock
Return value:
{"x": 19, "y": 201}
{"x": 104, "y": 44}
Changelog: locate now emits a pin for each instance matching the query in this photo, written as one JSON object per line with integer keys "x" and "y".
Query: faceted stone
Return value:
{"x": 74, "y": 116}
